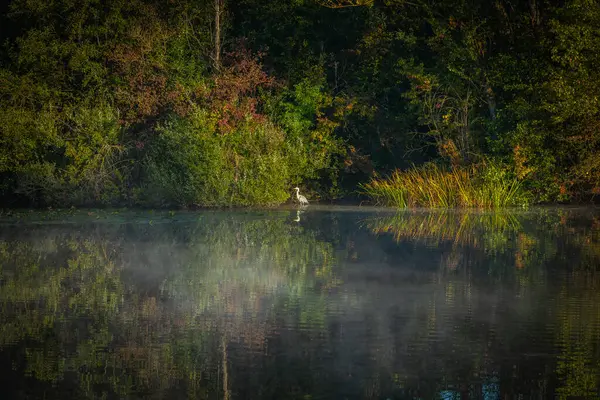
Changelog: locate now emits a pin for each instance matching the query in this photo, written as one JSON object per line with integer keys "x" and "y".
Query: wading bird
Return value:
{"x": 301, "y": 199}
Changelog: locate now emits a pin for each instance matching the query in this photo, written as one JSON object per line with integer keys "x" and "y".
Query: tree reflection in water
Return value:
{"x": 341, "y": 304}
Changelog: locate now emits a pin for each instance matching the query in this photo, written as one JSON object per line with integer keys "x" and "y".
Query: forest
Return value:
{"x": 200, "y": 103}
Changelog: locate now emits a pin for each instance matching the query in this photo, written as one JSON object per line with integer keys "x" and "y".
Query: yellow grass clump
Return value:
{"x": 485, "y": 185}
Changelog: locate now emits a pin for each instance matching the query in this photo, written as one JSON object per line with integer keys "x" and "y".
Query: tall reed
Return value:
{"x": 484, "y": 185}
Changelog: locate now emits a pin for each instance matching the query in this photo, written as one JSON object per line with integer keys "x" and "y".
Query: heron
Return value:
{"x": 301, "y": 199}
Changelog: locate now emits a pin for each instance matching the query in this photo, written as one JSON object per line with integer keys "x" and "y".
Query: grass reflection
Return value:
{"x": 465, "y": 228}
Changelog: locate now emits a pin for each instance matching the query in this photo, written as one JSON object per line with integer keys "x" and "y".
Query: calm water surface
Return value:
{"x": 328, "y": 303}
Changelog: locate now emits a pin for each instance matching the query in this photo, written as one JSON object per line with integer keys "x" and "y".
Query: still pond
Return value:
{"x": 319, "y": 303}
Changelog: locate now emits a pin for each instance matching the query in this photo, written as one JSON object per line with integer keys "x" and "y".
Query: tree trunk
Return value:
{"x": 217, "y": 56}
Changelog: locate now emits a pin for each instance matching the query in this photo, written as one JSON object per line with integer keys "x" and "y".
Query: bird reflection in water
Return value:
{"x": 298, "y": 212}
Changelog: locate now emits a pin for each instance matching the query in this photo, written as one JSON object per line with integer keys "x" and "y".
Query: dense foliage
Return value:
{"x": 214, "y": 102}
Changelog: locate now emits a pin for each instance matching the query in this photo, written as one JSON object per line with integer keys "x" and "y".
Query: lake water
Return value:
{"x": 326, "y": 303}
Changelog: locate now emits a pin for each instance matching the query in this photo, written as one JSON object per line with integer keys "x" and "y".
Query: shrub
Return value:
{"x": 225, "y": 152}
{"x": 309, "y": 116}
{"x": 155, "y": 138}
{"x": 189, "y": 164}
{"x": 69, "y": 157}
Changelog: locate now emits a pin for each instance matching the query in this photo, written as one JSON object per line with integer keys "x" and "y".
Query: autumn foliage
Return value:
{"x": 146, "y": 102}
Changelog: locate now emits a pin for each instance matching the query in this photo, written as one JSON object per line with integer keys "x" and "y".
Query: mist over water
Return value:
{"x": 344, "y": 303}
